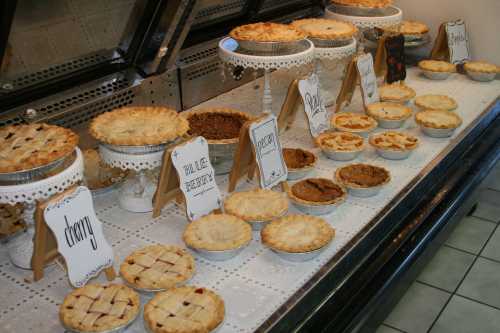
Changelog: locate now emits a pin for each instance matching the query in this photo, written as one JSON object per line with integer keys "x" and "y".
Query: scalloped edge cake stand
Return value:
{"x": 228, "y": 55}
{"x": 20, "y": 247}
{"x": 136, "y": 193}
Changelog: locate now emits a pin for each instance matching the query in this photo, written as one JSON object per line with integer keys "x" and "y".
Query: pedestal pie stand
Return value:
{"x": 231, "y": 54}
{"x": 29, "y": 193}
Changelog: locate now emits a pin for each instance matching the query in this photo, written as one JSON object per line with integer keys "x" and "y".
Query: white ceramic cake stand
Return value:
{"x": 21, "y": 247}
{"x": 230, "y": 53}
{"x": 136, "y": 193}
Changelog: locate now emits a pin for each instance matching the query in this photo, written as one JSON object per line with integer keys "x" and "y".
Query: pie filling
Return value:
{"x": 297, "y": 158}
{"x": 364, "y": 175}
{"x": 216, "y": 126}
{"x": 317, "y": 190}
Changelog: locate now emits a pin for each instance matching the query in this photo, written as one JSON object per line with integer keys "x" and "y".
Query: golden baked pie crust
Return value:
{"x": 437, "y": 66}
{"x": 396, "y": 92}
{"x": 340, "y": 141}
{"x": 440, "y": 119}
{"x": 325, "y": 28}
{"x": 436, "y": 102}
{"x": 393, "y": 140}
{"x": 256, "y": 205}
{"x": 353, "y": 122}
{"x": 349, "y": 183}
{"x": 297, "y": 233}
{"x": 388, "y": 111}
{"x": 364, "y": 3}
{"x": 481, "y": 67}
{"x": 338, "y": 200}
{"x": 267, "y": 32}
{"x": 412, "y": 28}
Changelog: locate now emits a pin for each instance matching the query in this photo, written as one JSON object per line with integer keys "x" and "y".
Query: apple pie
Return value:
{"x": 436, "y": 102}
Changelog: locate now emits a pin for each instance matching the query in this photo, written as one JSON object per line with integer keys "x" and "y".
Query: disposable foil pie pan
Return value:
{"x": 436, "y": 75}
{"x": 437, "y": 132}
{"x": 364, "y": 192}
{"x": 390, "y": 123}
{"x": 327, "y": 43}
{"x": 299, "y": 256}
{"x": 394, "y": 154}
{"x": 276, "y": 48}
{"x": 221, "y": 255}
{"x": 310, "y": 209}
{"x": 151, "y": 291}
{"x": 257, "y": 225}
{"x": 338, "y": 155}
{"x": 295, "y": 174}
{"x": 138, "y": 150}
{"x": 38, "y": 173}
{"x": 120, "y": 329}
{"x": 480, "y": 76}
{"x": 363, "y": 11}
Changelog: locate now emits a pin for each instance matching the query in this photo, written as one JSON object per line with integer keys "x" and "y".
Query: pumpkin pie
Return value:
{"x": 296, "y": 158}
{"x": 267, "y": 32}
{"x": 317, "y": 191}
{"x": 438, "y": 119}
{"x": 362, "y": 175}
{"x": 397, "y": 93}
{"x": 436, "y": 102}
{"x": 325, "y": 28}
{"x": 256, "y": 205}
{"x": 353, "y": 122}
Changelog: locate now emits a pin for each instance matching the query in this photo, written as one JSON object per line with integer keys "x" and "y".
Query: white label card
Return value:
{"x": 457, "y": 41}
{"x": 79, "y": 236}
{"x": 314, "y": 105}
{"x": 268, "y": 153}
{"x": 368, "y": 79}
{"x": 196, "y": 178}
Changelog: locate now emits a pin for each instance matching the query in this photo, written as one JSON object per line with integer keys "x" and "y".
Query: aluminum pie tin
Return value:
{"x": 299, "y": 256}
{"x": 338, "y": 155}
{"x": 38, "y": 173}
{"x": 327, "y": 43}
{"x": 364, "y": 192}
{"x": 481, "y": 76}
{"x": 394, "y": 154}
{"x": 437, "y": 132}
{"x": 152, "y": 291}
{"x": 119, "y": 329}
{"x": 258, "y": 225}
{"x": 221, "y": 255}
{"x": 391, "y": 123}
{"x": 269, "y": 48}
{"x": 138, "y": 150}
{"x": 296, "y": 174}
{"x": 363, "y": 11}
{"x": 436, "y": 75}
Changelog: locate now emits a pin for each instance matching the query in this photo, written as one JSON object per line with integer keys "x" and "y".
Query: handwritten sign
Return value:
{"x": 395, "y": 51}
{"x": 79, "y": 235}
{"x": 196, "y": 178}
{"x": 268, "y": 153}
{"x": 314, "y": 105}
{"x": 457, "y": 41}
{"x": 364, "y": 63}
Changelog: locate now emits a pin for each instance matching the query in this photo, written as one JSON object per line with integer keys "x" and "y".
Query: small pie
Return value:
{"x": 410, "y": 28}
{"x": 481, "y": 67}
{"x": 440, "y": 119}
{"x": 364, "y": 3}
{"x": 11, "y": 220}
{"x": 267, "y": 32}
{"x": 436, "y": 102}
{"x": 138, "y": 126}
{"x": 340, "y": 141}
{"x": 97, "y": 173}
{"x": 317, "y": 191}
{"x": 25, "y": 147}
{"x": 185, "y": 309}
{"x": 256, "y": 205}
{"x": 157, "y": 267}
{"x": 325, "y": 28}
{"x": 398, "y": 93}
{"x": 437, "y": 66}
{"x": 297, "y": 234}
{"x": 388, "y": 111}
{"x": 217, "y": 232}
{"x": 353, "y": 122}
{"x": 362, "y": 175}
{"x": 297, "y": 159}
{"x": 99, "y": 308}
{"x": 217, "y": 125}
{"x": 392, "y": 140}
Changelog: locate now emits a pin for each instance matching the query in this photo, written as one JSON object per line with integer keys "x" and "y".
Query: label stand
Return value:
{"x": 289, "y": 109}
{"x": 348, "y": 85}
{"x": 440, "y": 50}
{"x": 380, "y": 63}
{"x": 45, "y": 244}
{"x": 452, "y": 43}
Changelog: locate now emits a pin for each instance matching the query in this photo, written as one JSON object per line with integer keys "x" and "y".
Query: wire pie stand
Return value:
{"x": 136, "y": 193}
{"x": 28, "y": 193}
{"x": 231, "y": 53}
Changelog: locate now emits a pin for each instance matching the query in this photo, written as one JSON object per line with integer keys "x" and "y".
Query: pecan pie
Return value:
{"x": 364, "y": 3}
{"x": 217, "y": 125}
{"x": 325, "y": 28}
{"x": 436, "y": 102}
{"x": 388, "y": 111}
{"x": 317, "y": 191}
{"x": 11, "y": 220}
{"x": 25, "y": 147}
{"x": 97, "y": 173}
{"x": 256, "y": 205}
{"x": 296, "y": 158}
{"x": 185, "y": 309}
{"x": 412, "y": 28}
{"x": 362, "y": 175}
{"x": 439, "y": 119}
{"x": 481, "y": 67}
{"x": 398, "y": 93}
{"x": 353, "y": 122}
{"x": 340, "y": 141}
{"x": 138, "y": 126}
{"x": 157, "y": 267}
{"x": 217, "y": 232}
{"x": 267, "y": 32}
{"x": 392, "y": 140}
{"x": 99, "y": 308}
{"x": 297, "y": 233}
{"x": 437, "y": 66}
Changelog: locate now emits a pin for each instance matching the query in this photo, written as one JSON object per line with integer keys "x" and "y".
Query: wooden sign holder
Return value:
{"x": 45, "y": 244}
{"x": 244, "y": 157}
{"x": 289, "y": 108}
{"x": 440, "y": 50}
{"x": 348, "y": 85}
{"x": 380, "y": 62}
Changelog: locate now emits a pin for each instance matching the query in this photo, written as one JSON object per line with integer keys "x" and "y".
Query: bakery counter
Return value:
{"x": 376, "y": 238}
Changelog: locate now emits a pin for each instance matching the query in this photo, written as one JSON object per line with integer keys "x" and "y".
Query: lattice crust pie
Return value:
{"x": 11, "y": 220}
{"x": 481, "y": 67}
{"x": 97, "y": 173}
{"x": 217, "y": 125}
{"x": 340, "y": 141}
{"x": 317, "y": 191}
{"x": 353, "y": 122}
{"x": 396, "y": 92}
{"x": 138, "y": 125}
{"x": 267, "y": 32}
{"x": 297, "y": 159}
{"x": 362, "y": 175}
{"x": 388, "y": 111}
{"x": 256, "y": 205}
{"x": 437, "y": 66}
{"x": 217, "y": 232}
{"x": 325, "y": 29}
{"x": 364, "y": 3}
{"x": 157, "y": 267}
{"x": 392, "y": 140}
{"x": 185, "y": 309}
{"x": 436, "y": 102}
{"x": 412, "y": 28}
{"x": 25, "y": 147}
{"x": 297, "y": 233}
{"x": 438, "y": 119}
{"x": 99, "y": 308}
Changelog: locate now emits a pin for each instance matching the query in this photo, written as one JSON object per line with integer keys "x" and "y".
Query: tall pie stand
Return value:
{"x": 232, "y": 55}
{"x": 31, "y": 194}
{"x": 136, "y": 193}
